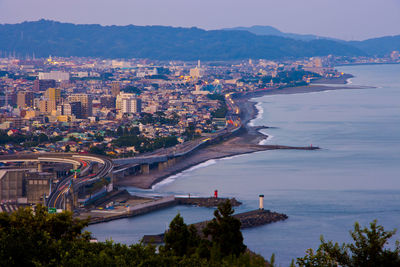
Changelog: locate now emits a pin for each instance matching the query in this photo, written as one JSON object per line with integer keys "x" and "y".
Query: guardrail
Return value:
{"x": 99, "y": 160}
{"x": 60, "y": 160}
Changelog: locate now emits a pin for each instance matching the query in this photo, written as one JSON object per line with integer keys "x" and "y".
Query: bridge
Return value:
{"x": 162, "y": 158}
{"x": 165, "y": 157}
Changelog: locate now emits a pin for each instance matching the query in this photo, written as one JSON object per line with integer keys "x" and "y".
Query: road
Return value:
{"x": 163, "y": 154}
{"x": 57, "y": 199}
{"x": 81, "y": 162}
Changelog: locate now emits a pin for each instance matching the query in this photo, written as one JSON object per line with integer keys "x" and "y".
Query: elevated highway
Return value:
{"x": 162, "y": 157}
{"x": 71, "y": 183}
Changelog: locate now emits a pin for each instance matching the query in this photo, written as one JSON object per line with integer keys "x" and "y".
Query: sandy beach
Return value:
{"x": 244, "y": 141}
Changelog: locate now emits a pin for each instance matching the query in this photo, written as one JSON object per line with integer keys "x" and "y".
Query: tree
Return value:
{"x": 134, "y": 130}
{"x": 55, "y": 139}
{"x": 120, "y": 131}
{"x": 132, "y": 89}
{"x": 99, "y": 138}
{"x": 146, "y": 118}
{"x": 73, "y": 138}
{"x": 368, "y": 249}
{"x": 99, "y": 150}
{"x": 42, "y": 138}
{"x": 225, "y": 232}
{"x": 125, "y": 130}
{"x": 37, "y": 238}
{"x": 190, "y": 131}
{"x": 220, "y": 112}
{"x": 181, "y": 239}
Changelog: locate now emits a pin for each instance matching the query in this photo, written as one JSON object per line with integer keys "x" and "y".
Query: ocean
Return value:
{"x": 353, "y": 177}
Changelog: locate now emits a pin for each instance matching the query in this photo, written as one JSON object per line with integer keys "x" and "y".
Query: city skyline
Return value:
{"x": 358, "y": 21}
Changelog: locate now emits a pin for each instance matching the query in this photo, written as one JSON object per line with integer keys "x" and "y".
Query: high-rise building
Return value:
{"x": 53, "y": 94}
{"x": 22, "y": 185}
{"x": 47, "y": 106}
{"x": 12, "y": 99}
{"x": 74, "y": 108}
{"x": 25, "y": 99}
{"x": 69, "y": 109}
{"x": 128, "y": 103}
{"x": 115, "y": 89}
{"x": 8, "y": 99}
{"x": 197, "y": 72}
{"x": 42, "y": 85}
{"x": 120, "y": 97}
{"x": 131, "y": 105}
{"x": 37, "y": 185}
{"x": 11, "y": 184}
{"x": 86, "y": 103}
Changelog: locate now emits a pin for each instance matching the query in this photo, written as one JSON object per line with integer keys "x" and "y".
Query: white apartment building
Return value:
{"x": 128, "y": 103}
{"x": 54, "y": 75}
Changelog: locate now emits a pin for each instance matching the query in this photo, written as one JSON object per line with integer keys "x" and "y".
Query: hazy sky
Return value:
{"x": 345, "y": 19}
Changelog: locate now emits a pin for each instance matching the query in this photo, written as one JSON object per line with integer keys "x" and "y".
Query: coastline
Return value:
{"x": 246, "y": 141}
{"x": 336, "y": 80}
{"x": 302, "y": 201}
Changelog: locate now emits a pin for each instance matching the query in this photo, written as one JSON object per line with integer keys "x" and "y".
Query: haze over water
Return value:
{"x": 354, "y": 177}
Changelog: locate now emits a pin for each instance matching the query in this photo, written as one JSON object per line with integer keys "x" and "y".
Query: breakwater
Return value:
{"x": 248, "y": 219}
{"x": 205, "y": 201}
{"x": 252, "y": 218}
{"x": 158, "y": 204}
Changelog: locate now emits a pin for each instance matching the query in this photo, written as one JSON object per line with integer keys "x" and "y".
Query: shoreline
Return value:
{"x": 246, "y": 141}
{"x": 336, "y": 80}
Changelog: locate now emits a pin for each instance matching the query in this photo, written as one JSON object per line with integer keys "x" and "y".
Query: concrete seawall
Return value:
{"x": 161, "y": 203}
{"x": 205, "y": 201}
{"x": 252, "y": 218}
{"x": 138, "y": 210}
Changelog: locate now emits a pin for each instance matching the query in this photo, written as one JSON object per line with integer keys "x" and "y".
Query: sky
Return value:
{"x": 344, "y": 19}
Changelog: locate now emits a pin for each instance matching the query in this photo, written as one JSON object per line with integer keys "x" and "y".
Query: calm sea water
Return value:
{"x": 354, "y": 177}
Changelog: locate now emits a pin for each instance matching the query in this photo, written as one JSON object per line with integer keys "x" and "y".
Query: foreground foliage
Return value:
{"x": 367, "y": 250}
{"x": 220, "y": 239}
{"x": 36, "y": 238}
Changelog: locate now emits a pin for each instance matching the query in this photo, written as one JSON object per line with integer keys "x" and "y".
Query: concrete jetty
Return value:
{"x": 136, "y": 210}
{"x": 205, "y": 201}
{"x": 248, "y": 219}
{"x": 161, "y": 203}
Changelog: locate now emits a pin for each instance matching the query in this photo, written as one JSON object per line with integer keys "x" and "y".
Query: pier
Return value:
{"x": 100, "y": 216}
{"x": 248, "y": 219}
{"x": 205, "y": 201}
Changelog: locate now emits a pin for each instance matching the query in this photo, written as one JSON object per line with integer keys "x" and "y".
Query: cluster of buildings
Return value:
{"x": 78, "y": 99}
{"x": 25, "y": 185}
{"x": 73, "y": 101}
{"x": 392, "y": 58}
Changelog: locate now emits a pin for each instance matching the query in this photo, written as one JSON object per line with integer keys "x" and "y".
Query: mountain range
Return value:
{"x": 269, "y": 30}
{"x": 44, "y": 38}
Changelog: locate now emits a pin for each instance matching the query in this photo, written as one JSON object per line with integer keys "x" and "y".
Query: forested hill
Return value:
{"x": 268, "y": 30}
{"x": 46, "y": 38}
{"x": 379, "y": 46}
